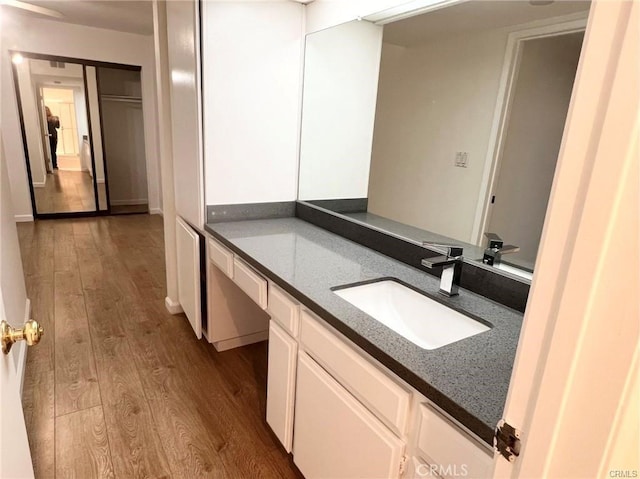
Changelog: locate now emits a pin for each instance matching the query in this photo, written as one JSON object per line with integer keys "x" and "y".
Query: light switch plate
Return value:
{"x": 462, "y": 159}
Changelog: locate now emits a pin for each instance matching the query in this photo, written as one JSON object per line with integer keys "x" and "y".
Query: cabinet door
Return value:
{"x": 183, "y": 35}
{"x": 188, "y": 247}
{"x": 334, "y": 435}
{"x": 281, "y": 384}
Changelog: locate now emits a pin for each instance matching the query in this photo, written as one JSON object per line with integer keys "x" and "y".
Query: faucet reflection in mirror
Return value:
{"x": 389, "y": 110}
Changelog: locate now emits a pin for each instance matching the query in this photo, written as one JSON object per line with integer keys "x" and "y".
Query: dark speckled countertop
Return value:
{"x": 468, "y": 379}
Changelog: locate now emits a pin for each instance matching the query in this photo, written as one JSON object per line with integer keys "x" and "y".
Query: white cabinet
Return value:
{"x": 188, "y": 247}
{"x": 183, "y": 39}
{"x": 281, "y": 384}
{"x": 334, "y": 435}
{"x": 236, "y": 315}
{"x": 448, "y": 450}
{"x": 365, "y": 380}
{"x": 284, "y": 309}
{"x": 254, "y": 285}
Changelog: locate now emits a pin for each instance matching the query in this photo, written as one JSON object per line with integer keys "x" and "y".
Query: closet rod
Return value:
{"x": 131, "y": 99}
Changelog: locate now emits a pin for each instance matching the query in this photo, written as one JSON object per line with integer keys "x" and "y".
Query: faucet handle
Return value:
{"x": 495, "y": 242}
{"x": 453, "y": 250}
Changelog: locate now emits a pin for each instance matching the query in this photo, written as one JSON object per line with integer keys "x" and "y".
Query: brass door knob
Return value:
{"x": 31, "y": 333}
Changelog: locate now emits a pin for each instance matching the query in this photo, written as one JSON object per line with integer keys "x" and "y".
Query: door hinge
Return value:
{"x": 506, "y": 440}
{"x": 403, "y": 464}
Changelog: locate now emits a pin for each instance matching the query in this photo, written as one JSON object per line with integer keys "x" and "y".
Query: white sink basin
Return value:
{"x": 414, "y": 316}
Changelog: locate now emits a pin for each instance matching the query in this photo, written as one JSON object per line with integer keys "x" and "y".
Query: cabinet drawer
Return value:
{"x": 284, "y": 309}
{"x": 387, "y": 399}
{"x": 221, "y": 257}
{"x": 442, "y": 443}
{"x": 250, "y": 282}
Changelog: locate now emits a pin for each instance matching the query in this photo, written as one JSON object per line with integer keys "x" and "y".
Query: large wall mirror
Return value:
{"x": 443, "y": 126}
{"x": 83, "y": 135}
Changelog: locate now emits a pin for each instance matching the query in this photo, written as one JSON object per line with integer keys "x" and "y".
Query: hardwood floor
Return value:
{"x": 66, "y": 191}
{"x": 120, "y": 388}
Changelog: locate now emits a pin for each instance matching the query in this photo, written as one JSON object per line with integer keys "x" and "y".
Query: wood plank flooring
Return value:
{"x": 66, "y": 191}
{"x": 120, "y": 388}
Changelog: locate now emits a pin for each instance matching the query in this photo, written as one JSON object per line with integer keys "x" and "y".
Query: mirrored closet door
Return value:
{"x": 83, "y": 135}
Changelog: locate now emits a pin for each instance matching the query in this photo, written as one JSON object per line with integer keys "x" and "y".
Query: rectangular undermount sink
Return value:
{"x": 418, "y": 318}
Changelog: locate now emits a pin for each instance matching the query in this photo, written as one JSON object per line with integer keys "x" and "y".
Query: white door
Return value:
{"x": 572, "y": 382}
{"x": 15, "y": 458}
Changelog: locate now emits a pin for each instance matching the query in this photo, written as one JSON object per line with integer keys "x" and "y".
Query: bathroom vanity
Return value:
{"x": 346, "y": 395}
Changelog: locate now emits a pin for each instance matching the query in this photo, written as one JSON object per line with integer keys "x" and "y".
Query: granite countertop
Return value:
{"x": 468, "y": 379}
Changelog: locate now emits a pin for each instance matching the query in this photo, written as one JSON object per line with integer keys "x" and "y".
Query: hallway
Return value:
{"x": 120, "y": 388}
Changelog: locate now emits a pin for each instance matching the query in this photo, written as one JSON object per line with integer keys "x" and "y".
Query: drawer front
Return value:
{"x": 387, "y": 399}
{"x": 221, "y": 257}
{"x": 281, "y": 384}
{"x": 443, "y": 444}
{"x": 284, "y": 309}
{"x": 250, "y": 282}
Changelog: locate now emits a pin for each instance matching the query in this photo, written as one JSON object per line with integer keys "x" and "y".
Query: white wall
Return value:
{"x": 76, "y": 41}
{"x": 252, "y": 60}
{"x": 32, "y": 129}
{"x": 42, "y": 67}
{"x": 163, "y": 80}
{"x": 338, "y": 109}
{"x": 532, "y": 141}
{"x": 81, "y": 114}
{"x": 433, "y": 101}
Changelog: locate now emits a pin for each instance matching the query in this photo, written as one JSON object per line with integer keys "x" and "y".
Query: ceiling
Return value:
{"x": 125, "y": 16}
{"x": 475, "y": 15}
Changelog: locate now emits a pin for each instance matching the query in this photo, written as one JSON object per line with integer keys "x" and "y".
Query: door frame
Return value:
{"x": 510, "y": 68}
{"x": 44, "y": 129}
{"x": 578, "y": 348}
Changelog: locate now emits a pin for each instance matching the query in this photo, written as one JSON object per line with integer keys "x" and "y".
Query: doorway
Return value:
{"x": 536, "y": 110}
{"x": 62, "y": 104}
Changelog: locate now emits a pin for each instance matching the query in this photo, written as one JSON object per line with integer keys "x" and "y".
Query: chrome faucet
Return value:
{"x": 451, "y": 264}
{"x": 495, "y": 249}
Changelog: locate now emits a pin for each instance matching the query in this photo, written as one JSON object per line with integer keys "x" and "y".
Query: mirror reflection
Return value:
{"x": 445, "y": 126}
{"x": 83, "y": 132}
{"x": 55, "y": 122}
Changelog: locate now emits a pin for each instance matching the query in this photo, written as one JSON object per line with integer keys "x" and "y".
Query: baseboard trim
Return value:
{"x": 22, "y": 351}
{"x": 156, "y": 211}
{"x": 136, "y": 201}
{"x": 23, "y": 218}
{"x": 39, "y": 185}
{"x": 172, "y": 306}
{"x": 241, "y": 341}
